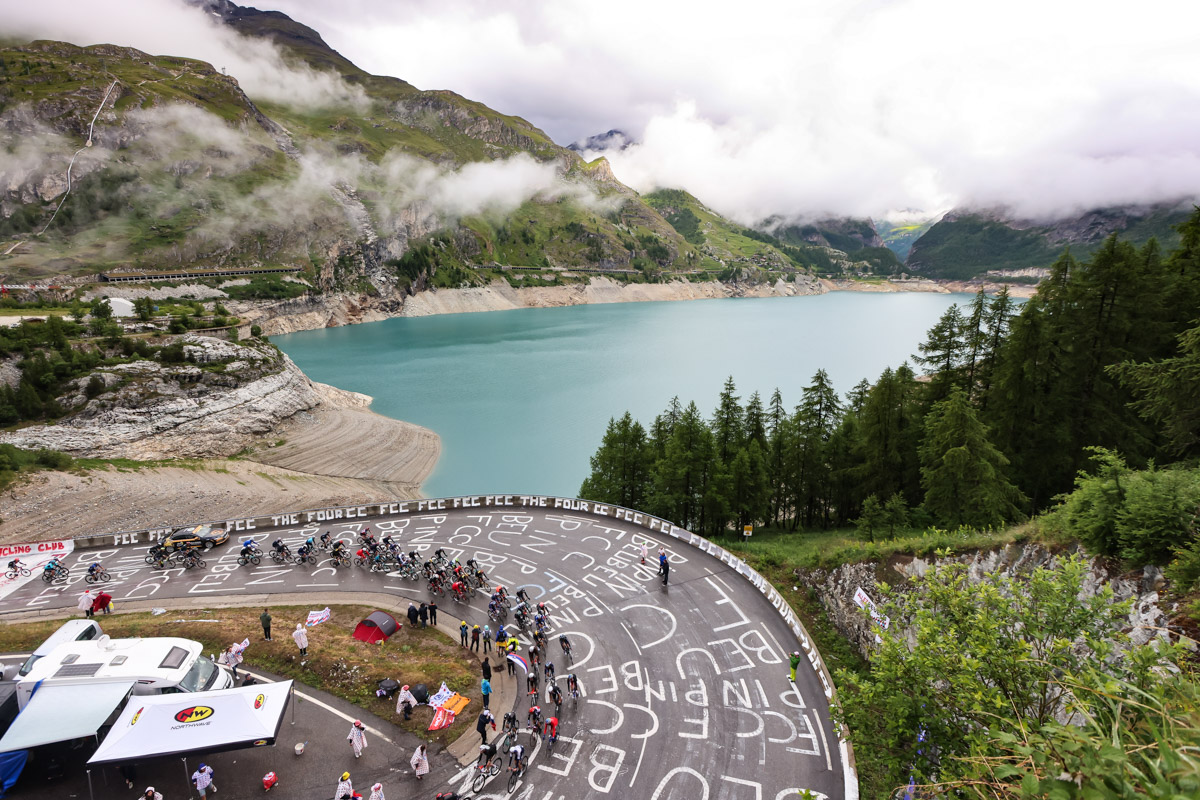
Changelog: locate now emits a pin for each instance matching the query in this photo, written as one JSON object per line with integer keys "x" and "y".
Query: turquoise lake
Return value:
{"x": 521, "y": 398}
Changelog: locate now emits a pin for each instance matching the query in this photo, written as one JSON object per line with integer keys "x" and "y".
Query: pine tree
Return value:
{"x": 621, "y": 467}
{"x": 750, "y": 489}
{"x": 962, "y": 472}
{"x": 1168, "y": 393}
{"x": 777, "y": 422}
{"x": 872, "y": 518}
{"x": 683, "y": 476}
{"x": 727, "y": 424}
{"x": 755, "y": 421}
{"x": 942, "y": 354}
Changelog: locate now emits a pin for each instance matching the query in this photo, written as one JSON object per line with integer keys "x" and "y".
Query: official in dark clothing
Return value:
{"x": 433, "y": 612}
{"x": 666, "y": 571}
{"x": 424, "y": 614}
{"x": 487, "y": 668}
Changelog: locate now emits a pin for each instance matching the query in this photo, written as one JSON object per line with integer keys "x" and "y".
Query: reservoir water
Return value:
{"x": 521, "y": 398}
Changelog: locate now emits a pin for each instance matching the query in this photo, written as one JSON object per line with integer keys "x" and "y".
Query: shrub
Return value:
{"x": 53, "y": 459}
{"x": 95, "y": 387}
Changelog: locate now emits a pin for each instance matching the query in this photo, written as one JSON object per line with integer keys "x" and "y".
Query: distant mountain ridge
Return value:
{"x": 967, "y": 243}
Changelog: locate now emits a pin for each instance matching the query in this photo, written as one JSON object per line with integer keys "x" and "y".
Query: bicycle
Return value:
{"x": 283, "y": 555}
{"x": 99, "y": 576}
{"x": 55, "y": 575}
{"x": 485, "y": 770}
{"x": 19, "y": 571}
{"x": 191, "y": 559}
{"x": 340, "y": 560}
{"x": 253, "y": 557}
{"x": 515, "y": 775}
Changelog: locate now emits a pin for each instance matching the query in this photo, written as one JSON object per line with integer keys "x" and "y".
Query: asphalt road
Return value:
{"x": 685, "y": 686}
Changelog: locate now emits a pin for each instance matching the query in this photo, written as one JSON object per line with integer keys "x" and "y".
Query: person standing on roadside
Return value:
{"x": 265, "y": 619}
{"x": 420, "y": 762}
{"x": 486, "y": 667}
{"x": 345, "y": 788}
{"x": 151, "y": 794}
{"x": 666, "y": 570}
{"x": 475, "y": 638}
{"x": 462, "y": 633}
{"x": 85, "y": 602}
{"x": 433, "y": 613}
{"x": 412, "y": 615}
{"x": 487, "y": 638}
{"x": 793, "y": 662}
{"x": 485, "y": 689}
{"x": 202, "y": 779}
{"x": 485, "y": 719}
{"x": 301, "y": 638}
{"x": 377, "y": 792}
{"x": 357, "y": 738}
{"x": 644, "y": 551}
{"x": 423, "y": 613}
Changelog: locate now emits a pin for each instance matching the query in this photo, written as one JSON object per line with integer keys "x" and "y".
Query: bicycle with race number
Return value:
{"x": 17, "y": 572}
{"x": 56, "y": 574}
{"x": 253, "y": 557}
{"x": 486, "y": 768}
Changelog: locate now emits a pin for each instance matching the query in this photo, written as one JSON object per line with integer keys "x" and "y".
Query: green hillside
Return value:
{"x": 899, "y": 236}
{"x": 964, "y": 246}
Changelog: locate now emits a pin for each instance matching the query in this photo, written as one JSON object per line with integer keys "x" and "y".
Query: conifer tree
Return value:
{"x": 621, "y": 467}
{"x": 727, "y": 423}
{"x": 962, "y": 472}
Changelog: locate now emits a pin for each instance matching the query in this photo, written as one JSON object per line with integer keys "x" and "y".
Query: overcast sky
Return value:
{"x": 799, "y": 107}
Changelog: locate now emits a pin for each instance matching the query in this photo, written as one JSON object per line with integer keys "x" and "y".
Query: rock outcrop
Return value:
{"x": 213, "y": 406}
{"x": 835, "y": 589}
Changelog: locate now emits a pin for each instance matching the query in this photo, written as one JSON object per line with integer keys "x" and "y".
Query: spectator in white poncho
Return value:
{"x": 420, "y": 762}
{"x": 357, "y": 738}
{"x": 377, "y": 792}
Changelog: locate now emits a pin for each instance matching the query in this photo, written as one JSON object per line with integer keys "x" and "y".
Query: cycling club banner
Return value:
{"x": 33, "y": 556}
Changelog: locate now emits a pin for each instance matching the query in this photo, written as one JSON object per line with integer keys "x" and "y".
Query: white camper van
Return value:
{"x": 73, "y": 630}
{"x": 155, "y": 666}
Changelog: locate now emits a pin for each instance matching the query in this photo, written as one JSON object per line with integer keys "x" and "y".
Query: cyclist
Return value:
{"x": 565, "y": 644}
{"x": 493, "y": 609}
{"x": 305, "y": 549}
{"x": 248, "y": 547}
{"x": 52, "y": 565}
{"x": 326, "y": 540}
{"x": 440, "y": 555}
{"x": 15, "y": 564}
{"x": 573, "y": 685}
{"x": 517, "y": 756}
{"x": 541, "y": 609}
{"x": 551, "y": 729}
{"x": 460, "y": 593}
{"x": 550, "y": 671}
{"x": 339, "y": 550}
{"x": 510, "y": 722}
{"x": 523, "y": 595}
{"x": 500, "y": 593}
{"x": 535, "y": 655}
{"x": 487, "y": 752}
{"x": 93, "y": 568}
{"x": 539, "y": 638}
{"x": 535, "y": 717}
{"x": 310, "y": 542}
{"x": 278, "y": 546}
{"x": 556, "y": 696}
{"x": 531, "y": 682}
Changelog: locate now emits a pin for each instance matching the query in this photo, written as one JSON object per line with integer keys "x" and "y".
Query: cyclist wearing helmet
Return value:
{"x": 551, "y": 729}
{"x": 572, "y": 684}
{"x": 564, "y": 643}
{"x": 517, "y": 756}
{"x": 556, "y": 696}
{"x": 487, "y": 752}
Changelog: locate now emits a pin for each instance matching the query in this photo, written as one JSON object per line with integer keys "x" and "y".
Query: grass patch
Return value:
{"x": 337, "y": 663}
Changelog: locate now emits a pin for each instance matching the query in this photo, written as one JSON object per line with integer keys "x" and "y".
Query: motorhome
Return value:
{"x": 73, "y": 630}
{"x": 154, "y": 666}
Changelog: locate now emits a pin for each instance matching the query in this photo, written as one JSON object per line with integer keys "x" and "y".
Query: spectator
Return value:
{"x": 301, "y": 637}
{"x": 462, "y": 633}
{"x": 412, "y": 615}
{"x": 475, "y": 638}
{"x": 485, "y": 718}
{"x": 265, "y": 619}
{"x": 485, "y": 689}
{"x": 345, "y": 788}
{"x": 103, "y": 603}
{"x": 202, "y": 779}
{"x": 405, "y": 702}
{"x": 151, "y": 794}
{"x": 377, "y": 792}
{"x": 487, "y": 639}
{"x": 487, "y": 668}
{"x": 85, "y": 603}
{"x": 433, "y": 612}
{"x": 357, "y": 738}
{"x": 420, "y": 762}
{"x": 423, "y": 613}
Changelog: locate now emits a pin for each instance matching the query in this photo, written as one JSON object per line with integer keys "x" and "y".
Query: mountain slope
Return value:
{"x": 185, "y": 169}
{"x": 966, "y": 244}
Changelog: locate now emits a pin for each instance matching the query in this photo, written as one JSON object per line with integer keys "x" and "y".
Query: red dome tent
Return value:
{"x": 377, "y": 627}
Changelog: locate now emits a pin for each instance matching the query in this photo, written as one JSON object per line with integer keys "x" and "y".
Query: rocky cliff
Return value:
{"x": 218, "y": 403}
{"x": 835, "y": 589}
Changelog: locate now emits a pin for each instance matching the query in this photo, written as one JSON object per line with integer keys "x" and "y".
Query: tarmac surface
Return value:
{"x": 686, "y": 692}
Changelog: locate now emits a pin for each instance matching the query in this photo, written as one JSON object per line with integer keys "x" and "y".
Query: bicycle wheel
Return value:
{"x": 46, "y": 576}
{"x": 480, "y": 777}
{"x": 89, "y": 578}
{"x": 199, "y": 562}
{"x": 513, "y": 777}
{"x": 104, "y": 576}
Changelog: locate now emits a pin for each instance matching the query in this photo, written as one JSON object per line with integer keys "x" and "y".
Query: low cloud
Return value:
{"x": 169, "y": 27}
{"x": 825, "y": 107}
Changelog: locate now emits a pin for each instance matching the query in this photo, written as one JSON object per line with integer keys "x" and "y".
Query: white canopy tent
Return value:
{"x": 206, "y": 722}
{"x": 58, "y": 713}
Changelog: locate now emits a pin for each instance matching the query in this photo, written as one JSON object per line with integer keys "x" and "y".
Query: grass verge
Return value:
{"x": 337, "y": 662}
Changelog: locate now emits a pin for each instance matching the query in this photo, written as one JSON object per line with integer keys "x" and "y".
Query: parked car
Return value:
{"x": 203, "y": 536}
